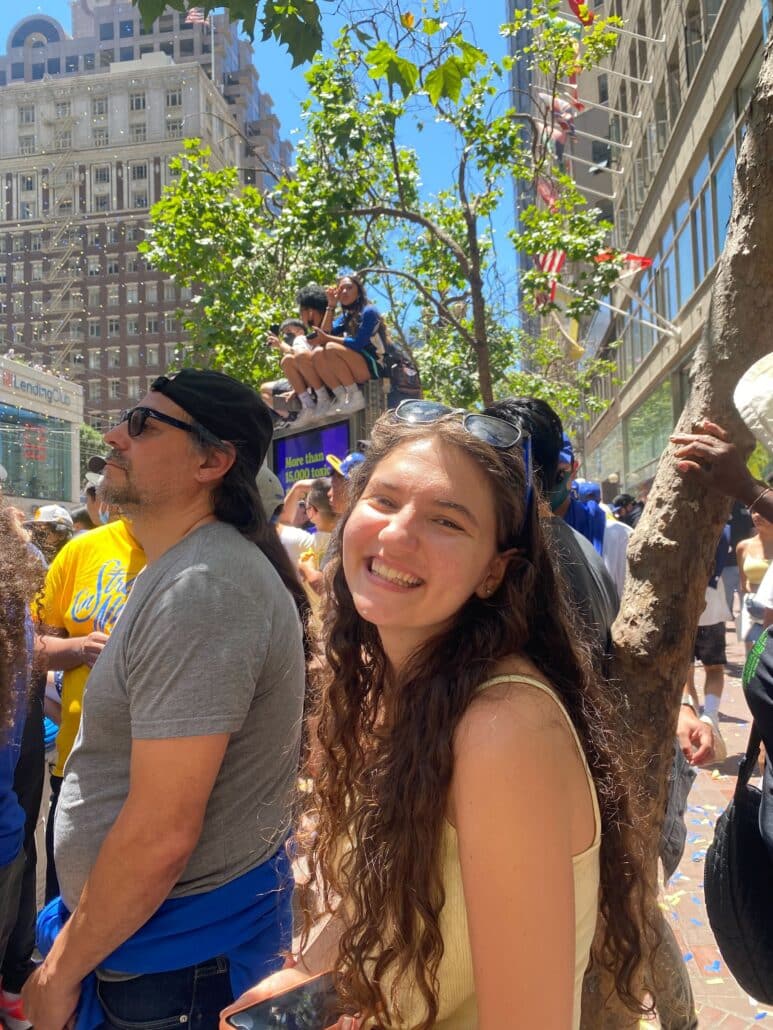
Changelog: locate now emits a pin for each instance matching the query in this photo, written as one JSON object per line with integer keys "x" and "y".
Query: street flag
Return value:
{"x": 582, "y": 11}
{"x": 196, "y": 16}
{"x": 552, "y": 263}
{"x": 635, "y": 262}
{"x": 546, "y": 191}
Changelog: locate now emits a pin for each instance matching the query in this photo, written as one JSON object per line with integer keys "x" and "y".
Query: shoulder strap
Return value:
{"x": 749, "y": 761}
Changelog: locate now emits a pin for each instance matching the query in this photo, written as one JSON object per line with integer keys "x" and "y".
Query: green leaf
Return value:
{"x": 445, "y": 82}
{"x": 295, "y": 25}
{"x": 384, "y": 62}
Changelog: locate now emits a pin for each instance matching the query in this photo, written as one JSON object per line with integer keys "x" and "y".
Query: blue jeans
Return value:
{"x": 191, "y": 998}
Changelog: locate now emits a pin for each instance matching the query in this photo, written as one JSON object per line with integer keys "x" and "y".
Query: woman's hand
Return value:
{"x": 321, "y": 337}
{"x": 275, "y": 984}
{"x": 333, "y": 293}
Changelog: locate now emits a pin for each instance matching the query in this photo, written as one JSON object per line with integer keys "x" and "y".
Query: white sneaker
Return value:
{"x": 340, "y": 403}
{"x": 720, "y": 747}
{"x": 355, "y": 399}
{"x": 324, "y": 404}
{"x": 305, "y": 418}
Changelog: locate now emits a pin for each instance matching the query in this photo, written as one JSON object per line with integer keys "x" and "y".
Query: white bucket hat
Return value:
{"x": 753, "y": 398}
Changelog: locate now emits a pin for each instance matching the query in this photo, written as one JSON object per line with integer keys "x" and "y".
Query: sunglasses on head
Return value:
{"x": 491, "y": 430}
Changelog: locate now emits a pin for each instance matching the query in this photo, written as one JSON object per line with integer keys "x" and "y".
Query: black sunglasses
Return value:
{"x": 493, "y": 431}
{"x": 136, "y": 418}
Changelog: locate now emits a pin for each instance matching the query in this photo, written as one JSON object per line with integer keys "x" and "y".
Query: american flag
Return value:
{"x": 552, "y": 263}
{"x": 196, "y": 16}
{"x": 586, "y": 16}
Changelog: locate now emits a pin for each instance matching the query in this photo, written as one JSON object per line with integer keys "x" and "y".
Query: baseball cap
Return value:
{"x": 621, "y": 501}
{"x": 587, "y": 490}
{"x": 53, "y": 514}
{"x": 228, "y": 409}
{"x": 270, "y": 490}
{"x": 753, "y": 397}
{"x": 566, "y": 454}
{"x": 343, "y": 466}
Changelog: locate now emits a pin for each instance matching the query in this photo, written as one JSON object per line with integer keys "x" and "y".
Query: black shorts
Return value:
{"x": 710, "y": 644}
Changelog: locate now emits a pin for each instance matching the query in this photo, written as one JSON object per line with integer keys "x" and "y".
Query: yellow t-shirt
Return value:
{"x": 85, "y": 590}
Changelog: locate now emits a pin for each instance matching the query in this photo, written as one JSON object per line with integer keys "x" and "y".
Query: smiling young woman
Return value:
{"x": 469, "y": 821}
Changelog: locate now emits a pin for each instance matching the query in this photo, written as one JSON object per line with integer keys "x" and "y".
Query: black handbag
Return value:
{"x": 738, "y": 884}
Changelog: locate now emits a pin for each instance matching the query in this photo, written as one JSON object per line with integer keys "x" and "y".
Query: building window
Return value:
{"x": 139, "y": 171}
{"x": 28, "y": 209}
{"x": 133, "y": 388}
{"x": 28, "y": 183}
{"x": 140, "y": 199}
{"x": 95, "y": 356}
{"x": 132, "y": 356}
{"x": 166, "y": 23}
{"x": 93, "y": 297}
{"x": 151, "y": 292}
{"x": 18, "y": 274}
{"x": 151, "y": 356}
{"x": 151, "y": 324}
{"x": 113, "y": 354}
{"x": 100, "y": 137}
{"x": 36, "y": 271}
{"x": 134, "y": 233}
{"x": 136, "y": 101}
{"x": 106, "y": 58}
{"x": 102, "y": 175}
{"x": 71, "y": 63}
{"x": 3, "y": 274}
{"x": 102, "y": 202}
{"x": 88, "y": 62}
{"x": 112, "y": 296}
{"x": 92, "y": 265}
{"x": 174, "y": 128}
{"x": 603, "y": 87}
{"x": 99, "y": 107}
{"x": 95, "y": 390}
{"x": 62, "y": 109}
{"x": 113, "y": 266}
{"x": 132, "y": 264}
{"x": 54, "y": 65}
{"x": 36, "y": 241}
{"x": 170, "y": 291}
{"x": 93, "y": 237}
{"x": 26, "y": 114}
{"x": 106, "y": 30}
{"x": 138, "y": 132}
{"x": 26, "y": 144}
{"x": 186, "y": 48}
{"x": 113, "y": 234}
{"x": 174, "y": 97}
{"x": 126, "y": 29}
{"x": 170, "y": 324}
{"x": 132, "y": 293}
{"x": 18, "y": 244}
{"x": 95, "y": 331}
{"x": 114, "y": 389}
{"x": 127, "y": 53}
{"x": 132, "y": 328}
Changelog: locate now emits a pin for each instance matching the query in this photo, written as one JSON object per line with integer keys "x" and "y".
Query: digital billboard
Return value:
{"x": 303, "y": 456}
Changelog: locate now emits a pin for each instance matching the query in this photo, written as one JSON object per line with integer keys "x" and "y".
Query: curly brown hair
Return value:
{"x": 21, "y": 579}
{"x": 382, "y": 789}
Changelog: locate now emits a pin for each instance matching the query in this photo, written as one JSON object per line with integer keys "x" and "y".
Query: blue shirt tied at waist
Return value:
{"x": 248, "y": 921}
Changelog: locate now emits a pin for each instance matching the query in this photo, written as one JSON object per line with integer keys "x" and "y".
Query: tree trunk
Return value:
{"x": 672, "y": 550}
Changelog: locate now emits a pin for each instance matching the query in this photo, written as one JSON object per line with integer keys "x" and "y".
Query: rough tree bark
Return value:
{"x": 672, "y": 550}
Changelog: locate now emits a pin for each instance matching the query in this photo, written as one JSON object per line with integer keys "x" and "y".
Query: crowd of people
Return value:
{"x": 389, "y": 685}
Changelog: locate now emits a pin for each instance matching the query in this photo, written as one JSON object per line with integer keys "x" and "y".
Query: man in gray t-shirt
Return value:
{"x": 176, "y": 799}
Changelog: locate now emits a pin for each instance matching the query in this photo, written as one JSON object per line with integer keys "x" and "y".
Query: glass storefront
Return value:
{"x": 607, "y": 461}
{"x": 646, "y": 434}
{"x": 36, "y": 453}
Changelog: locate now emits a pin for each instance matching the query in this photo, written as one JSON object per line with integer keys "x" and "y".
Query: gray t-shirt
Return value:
{"x": 209, "y": 642}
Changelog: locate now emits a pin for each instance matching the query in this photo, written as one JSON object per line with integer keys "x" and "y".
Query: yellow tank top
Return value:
{"x": 754, "y": 570}
{"x": 457, "y": 1003}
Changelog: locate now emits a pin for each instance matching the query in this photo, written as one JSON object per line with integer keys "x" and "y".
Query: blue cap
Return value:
{"x": 589, "y": 491}
{"x": 566, "y": 454}
{"x": 343, "y": 466}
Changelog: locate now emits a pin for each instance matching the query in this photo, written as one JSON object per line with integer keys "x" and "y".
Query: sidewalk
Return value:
{"x": 719, "y": 1000}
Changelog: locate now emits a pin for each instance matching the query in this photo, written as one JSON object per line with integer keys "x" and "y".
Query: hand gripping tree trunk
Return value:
{"x": 672, "y": 550}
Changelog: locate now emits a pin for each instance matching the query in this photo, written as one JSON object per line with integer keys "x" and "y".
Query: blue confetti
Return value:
{"x": 696, "y": 922}
{"x": 760, "y": 1015}
{"x": 698, "y": 856}
{"x": 687, "y": 956}
{"x": 713, "y": 967}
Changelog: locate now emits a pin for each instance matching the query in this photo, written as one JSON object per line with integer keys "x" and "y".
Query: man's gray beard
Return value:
{"x": 119, "y": 494}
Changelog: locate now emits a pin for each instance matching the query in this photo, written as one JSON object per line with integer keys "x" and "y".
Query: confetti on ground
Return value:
{"x": 687, "y": 956}
{"x": 715, "y": 980}
{"x": 698, "y": 856}
{"x": 696, "y": 922}
{"x": 760, "y": 1015}
{"x": 713, "y": 967}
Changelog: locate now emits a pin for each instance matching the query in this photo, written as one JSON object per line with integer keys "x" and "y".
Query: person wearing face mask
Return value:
{"x": 85, "y": 590}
